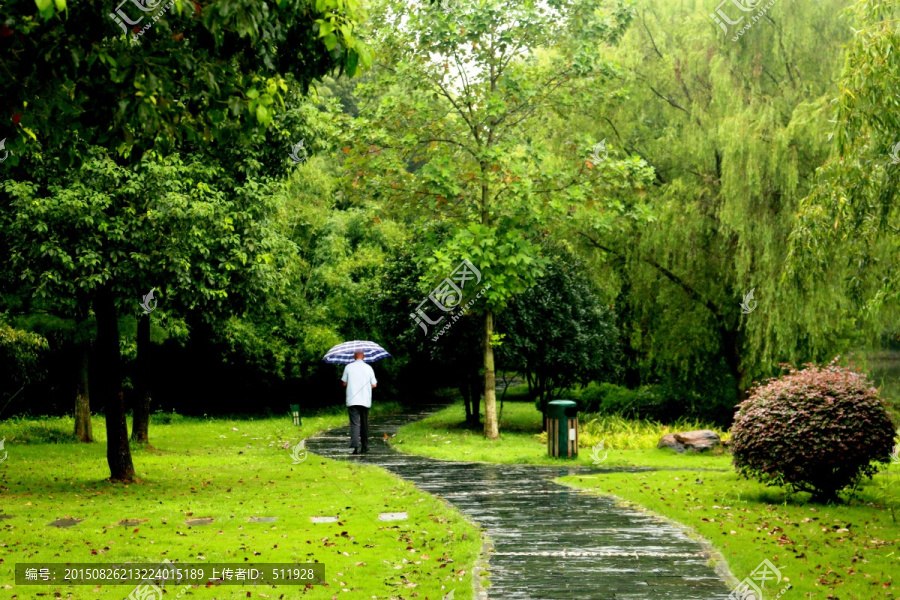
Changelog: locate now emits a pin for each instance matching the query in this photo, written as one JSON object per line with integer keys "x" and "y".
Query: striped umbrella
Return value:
{"x": 342, "y": 354}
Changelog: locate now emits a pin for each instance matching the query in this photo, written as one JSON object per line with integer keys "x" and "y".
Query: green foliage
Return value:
{"x": 201, "y": 73}
{"x": 559, "y": 333}
{"x": 464, "y": 154}
{"x": 176, "y": 224}
{"x": 39, "y": 430}
{"x": 160, "y": 417}
{"x": 846, "y": 235}
{"x": 645, "y": 402}
{"x": 517, "y": 393}
{"x": 816, "y": 430}
{"x": 20, "y": 352}
{"x": 333, "y": 269}
{"x": 734, "y": 132}
{"x": 623, "y": 433}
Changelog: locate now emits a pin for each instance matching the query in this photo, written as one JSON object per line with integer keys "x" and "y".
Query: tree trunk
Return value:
{"x": 732, "y": 351}
{"x": 109, "y": 388}
{"x": 140, "y": 425}
{"x": 83, "y": 430}
{"x": 475, "y": 392}
{"x": 491, "y": 426}
{"x": 464, "y": 389}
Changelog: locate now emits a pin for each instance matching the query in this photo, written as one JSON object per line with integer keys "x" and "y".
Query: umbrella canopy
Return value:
{"x": 342, "y": 354}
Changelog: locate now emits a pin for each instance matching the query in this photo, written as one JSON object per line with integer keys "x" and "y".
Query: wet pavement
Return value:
{"x": 550, "y": 542}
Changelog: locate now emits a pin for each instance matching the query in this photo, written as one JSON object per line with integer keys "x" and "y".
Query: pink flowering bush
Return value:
{"x": 815, "y": 430}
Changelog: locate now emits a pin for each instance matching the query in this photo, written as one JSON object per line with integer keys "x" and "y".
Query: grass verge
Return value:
{"x": 844, "y": 552}
{"x": 229, "y": 470}
{"x": 626, "y": 443}
{"x": 836, "y": 552}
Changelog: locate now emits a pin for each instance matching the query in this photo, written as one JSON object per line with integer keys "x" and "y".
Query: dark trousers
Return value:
{"x": 359, "y": 426}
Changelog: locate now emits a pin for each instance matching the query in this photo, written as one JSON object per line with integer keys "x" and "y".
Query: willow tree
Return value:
{"x": 850, "y": 222}
{"x": 735, "y": 131}
{"x": 445, "y": 133}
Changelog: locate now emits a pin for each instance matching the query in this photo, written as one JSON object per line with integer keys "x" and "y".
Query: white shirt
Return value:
{"x": 359, "y": 378}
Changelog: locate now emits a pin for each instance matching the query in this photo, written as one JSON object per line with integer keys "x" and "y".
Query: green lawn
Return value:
{"x": 846, "y": 552}
{"x": 230, "y": 470}
{"x": 442, "y": 436}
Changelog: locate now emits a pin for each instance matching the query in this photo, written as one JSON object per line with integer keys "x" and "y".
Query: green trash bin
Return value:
{"x": 295, "y": 414}
{"x": 562, "y": 428}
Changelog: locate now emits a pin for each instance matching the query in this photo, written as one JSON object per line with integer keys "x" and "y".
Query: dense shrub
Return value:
{"x": 816, "y": 430}
{"x": 646, "y": 402}
{"x": 560, "y": 332}
{"x": 516, "y": 393}
{"x": 161, "y": 417}
{"x": 38, "y": 430}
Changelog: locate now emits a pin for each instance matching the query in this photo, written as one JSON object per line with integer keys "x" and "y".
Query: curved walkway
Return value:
{"x": 550, "y": 542}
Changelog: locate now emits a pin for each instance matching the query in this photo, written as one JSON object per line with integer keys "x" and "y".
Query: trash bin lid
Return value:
{"x": 561, "y": 409}
{"x": 564, "y": 403}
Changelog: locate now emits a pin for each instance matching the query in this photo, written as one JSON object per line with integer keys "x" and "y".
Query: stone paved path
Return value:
{"x": 550, "y": 542}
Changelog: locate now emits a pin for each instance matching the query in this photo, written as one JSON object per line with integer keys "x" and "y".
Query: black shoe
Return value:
{"x": 365, "y": 451}
{"x": 355, "y": 451}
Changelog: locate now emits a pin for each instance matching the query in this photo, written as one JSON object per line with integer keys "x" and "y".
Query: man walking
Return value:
{"x": 359, "y": 379}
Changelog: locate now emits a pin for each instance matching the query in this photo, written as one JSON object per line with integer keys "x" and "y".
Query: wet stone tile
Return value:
{"x": 324, "y": 519}
{"x": 65, "y": 523}
{"x": 393, "y": 516}
{"x": 262, "y": 519}
{"x": 200, "y": 521}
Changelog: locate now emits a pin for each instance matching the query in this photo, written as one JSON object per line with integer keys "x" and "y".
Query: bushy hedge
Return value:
{"x": 645, "y": 402}
{"x": 816, "y": 430}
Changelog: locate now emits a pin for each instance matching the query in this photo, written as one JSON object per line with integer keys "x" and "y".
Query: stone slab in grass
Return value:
{"x": 324, "y": 519}
{"x": 201, "y": 521}
{"x": 6, "y": 517}
{"x": 64, "y": 523}
{"x": 394, "y": 516}
{"x": 130, "y": 522}
{"x": 262, "y": 519}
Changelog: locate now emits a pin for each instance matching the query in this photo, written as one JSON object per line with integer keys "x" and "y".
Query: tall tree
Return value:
{"x": 735, "y": 131}
{"x": 848, "y": 229}
{"x": 559, "y": 333}
{"x": 112, "y": 233}
{"x": 446, "y": 133}
{"x": 198, "y": 76}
